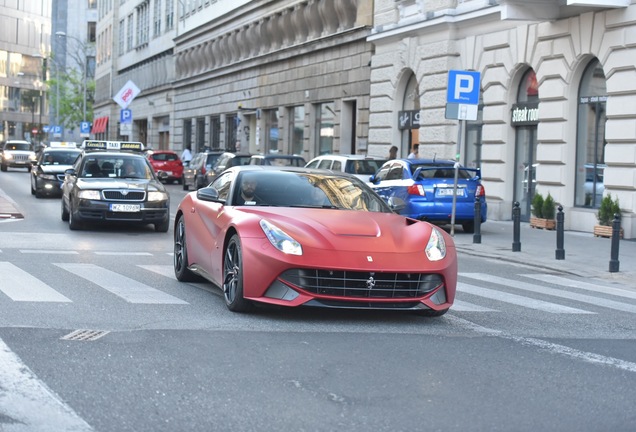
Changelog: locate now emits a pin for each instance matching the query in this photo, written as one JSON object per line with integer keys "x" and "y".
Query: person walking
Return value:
{"x": 392, "y": 153}
{"x": 414, "y": 152}
{"x": 186, "y": 155}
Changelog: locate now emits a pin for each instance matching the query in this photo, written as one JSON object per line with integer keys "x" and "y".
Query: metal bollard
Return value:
{"x": 560, "y": 252}
{"x": 516, "y": 227}
{"x": 616, "y": 230}
{"x": 477, "y": 233}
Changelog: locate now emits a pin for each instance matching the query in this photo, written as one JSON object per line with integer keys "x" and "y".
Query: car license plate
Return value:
{"x": 130, "y": 208}
{"x": 449, "y": 192}
{"x": 169, "y": 172}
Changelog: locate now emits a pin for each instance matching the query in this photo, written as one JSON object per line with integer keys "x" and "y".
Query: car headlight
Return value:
{"x": 89, "y": 194}
{"x": 157, "y": 196}
{"x": 8, "y": 156}
{"x": 47, "y": 176}
{"x": 436, "y": 247}
{"x": 32, "y": 157}
{"x": 280, "y": 239}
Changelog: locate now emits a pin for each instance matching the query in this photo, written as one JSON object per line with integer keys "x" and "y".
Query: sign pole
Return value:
{"x": 459, "y": 146}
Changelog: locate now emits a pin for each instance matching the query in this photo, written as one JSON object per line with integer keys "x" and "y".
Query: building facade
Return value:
{"x": 557, "y": 108}
{"x": 288, "y": 76}
{"x": 25, "y": 34}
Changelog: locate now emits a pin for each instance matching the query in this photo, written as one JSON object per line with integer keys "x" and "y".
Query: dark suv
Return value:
{"x": 201, "y": 163}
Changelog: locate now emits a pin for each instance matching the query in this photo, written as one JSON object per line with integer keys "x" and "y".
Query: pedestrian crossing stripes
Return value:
{"x": 476, "y": 292}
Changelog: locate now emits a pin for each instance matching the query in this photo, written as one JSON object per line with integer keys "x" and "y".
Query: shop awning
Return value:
{"x": 99, "y": 125}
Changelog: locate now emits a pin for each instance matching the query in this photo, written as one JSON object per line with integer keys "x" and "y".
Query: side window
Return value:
{"x": 337, "y": 166}
{"x": 325, "y": 164}
{"x": 395, "y": 173}
{"x": 313, "y": 164}
{"x": 222, "y": 185}
{"x": 382, "y": 173}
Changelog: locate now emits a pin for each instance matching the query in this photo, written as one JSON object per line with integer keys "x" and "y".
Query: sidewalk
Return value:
{"x": 585, "y": 255}
{"x": 8, "y": 209}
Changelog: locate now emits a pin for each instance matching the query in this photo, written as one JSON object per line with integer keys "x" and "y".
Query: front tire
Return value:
{"x": 163, "y": 226}
{"x": 233, "y": 277}
{"x": 469, "y": 227}
{"x": 65, "y": 214}
{"x": 180, "y": 256}
{"x": 73, "y": 223}
{"x": 3, "y": 167}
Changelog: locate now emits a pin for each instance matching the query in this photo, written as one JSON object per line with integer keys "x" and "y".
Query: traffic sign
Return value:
{"x": 125, "y": 116}
{"x": 85, "y": 129}
{"x": 126, "y": 95}
{"x": 463, "y": 87}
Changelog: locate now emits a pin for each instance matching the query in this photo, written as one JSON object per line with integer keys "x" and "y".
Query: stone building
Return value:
{"x": 557, "y": 108}
{"x": 275, "y": 76}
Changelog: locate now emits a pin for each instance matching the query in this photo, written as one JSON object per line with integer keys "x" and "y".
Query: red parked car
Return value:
{"x": 166, "y": 164}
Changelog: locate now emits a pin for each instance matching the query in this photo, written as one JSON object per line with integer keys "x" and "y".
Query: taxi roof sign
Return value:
{"x": 113, "y": 145}
{"x": 58, "y": 144}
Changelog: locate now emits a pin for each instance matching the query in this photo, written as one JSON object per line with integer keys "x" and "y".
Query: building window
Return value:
{"x": 169, "y": 14}
{"x": 200, "y": 134}
{"x": 187, "y": 133}
{"x": 156, "y": 26}
{"x": 325, "y": 118}
{"x": 590, "y": 140}
{"x": 91, "y": 31}
{"x": 271, "y": 130}
{"x": 122, "y": 37}
{"x": 92, "y": 4}
{"x": 297, "y": 129}
{"x": 143, "y": 23}
{"x": 215, "y": 132}
{"x": 129, "y": 33}
{"x": 231, "y": 128}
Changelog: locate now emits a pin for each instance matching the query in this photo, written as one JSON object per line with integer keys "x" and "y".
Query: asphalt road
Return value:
{"x": 521, "y": 350}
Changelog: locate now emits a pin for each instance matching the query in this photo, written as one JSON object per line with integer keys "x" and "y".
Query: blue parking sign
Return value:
{"x": 85, "y": 127}
{"x": 463, "y": 87}
{"x": 125, "y": 116}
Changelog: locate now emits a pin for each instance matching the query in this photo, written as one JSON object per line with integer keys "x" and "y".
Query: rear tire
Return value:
{"x": 469, "y": 227}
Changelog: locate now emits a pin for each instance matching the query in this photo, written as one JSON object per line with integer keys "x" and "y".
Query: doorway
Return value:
{"x": 526, "y": 172}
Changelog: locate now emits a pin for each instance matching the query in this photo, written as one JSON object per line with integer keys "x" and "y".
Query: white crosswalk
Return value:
{"x": 476, "y": 292}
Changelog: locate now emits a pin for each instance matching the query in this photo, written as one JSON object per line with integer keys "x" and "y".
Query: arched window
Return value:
{"x": 590, "y": 142}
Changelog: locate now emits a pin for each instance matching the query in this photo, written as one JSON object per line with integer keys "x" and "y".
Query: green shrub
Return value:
{"x": 537, "y": 205}
{"x": 548, "y": 208}
{"x": 606, "y": 211}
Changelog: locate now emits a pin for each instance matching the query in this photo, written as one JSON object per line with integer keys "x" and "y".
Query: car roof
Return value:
{"x": 348, "y": 156}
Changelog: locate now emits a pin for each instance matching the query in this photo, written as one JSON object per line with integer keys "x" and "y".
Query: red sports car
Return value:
{"x": 304, "y": 237}
{"x": 166, "y": 164}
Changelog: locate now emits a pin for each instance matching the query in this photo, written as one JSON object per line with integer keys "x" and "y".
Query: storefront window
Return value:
{"x": 590, "y": 143}
{"x": 215, "y": 132}
{"x": 297, "y": 129}
{"x": 325, "y": 118}
{"x": 231, "y": 128}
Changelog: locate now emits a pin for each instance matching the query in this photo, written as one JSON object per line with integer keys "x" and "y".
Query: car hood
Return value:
{"x": 349, "y": 230}
{"x": 132, "y": 184}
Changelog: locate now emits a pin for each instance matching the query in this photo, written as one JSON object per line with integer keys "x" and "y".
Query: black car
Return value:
{"x": 113, "y": 182}
{"x": 47, "y": 174}
{"x": 225, "y": 161}
{"x": 276, "y": 159}
{"x": 194, "y": 173}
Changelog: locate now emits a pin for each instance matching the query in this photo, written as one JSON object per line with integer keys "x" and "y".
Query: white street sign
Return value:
{"x": 126, "y": 95}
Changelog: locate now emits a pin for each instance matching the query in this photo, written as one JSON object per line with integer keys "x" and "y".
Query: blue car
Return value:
{"x": 426, "y": 186}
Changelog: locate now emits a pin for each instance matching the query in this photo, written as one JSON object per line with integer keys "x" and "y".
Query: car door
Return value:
{"x": 392, "y": 181}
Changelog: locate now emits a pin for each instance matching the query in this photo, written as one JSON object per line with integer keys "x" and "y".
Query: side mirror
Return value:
{"x": 397, "y": 204}
{"x": 209, "y": 194}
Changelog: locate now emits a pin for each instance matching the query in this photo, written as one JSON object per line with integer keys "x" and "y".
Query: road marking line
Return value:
{"x": 163, "y": 270}
{"x": 596, "y": 301}
{"x": 550, "y": 347}
{"x": 559, "y": 280}
{"x": 44, "y": 251}
{"x": 462, "y": 306}
{"x": 122, "y": 286}
{"x": 124, "y": 253}
{"x": 518, "y": 300}
{"x": 19, "y": 285}
{"x": 29, "y": 403}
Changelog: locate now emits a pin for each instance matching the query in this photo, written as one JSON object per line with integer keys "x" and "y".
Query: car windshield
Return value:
{"x": 17, "y": 146}
{"x": 435, "y": 171}
{"x": 60, "y": 157}
{"x": 107, "y": 166}
{"x": 301, "y": 189}
{"x": 363, "y": 166}
{"x": 165, "y": 156}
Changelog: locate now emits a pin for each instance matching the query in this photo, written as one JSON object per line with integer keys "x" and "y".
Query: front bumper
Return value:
{"x": 96, "y": 211}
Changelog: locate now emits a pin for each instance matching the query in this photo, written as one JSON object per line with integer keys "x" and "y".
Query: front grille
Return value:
{"x": 374, "y": 285}
{"x": 123, "y": 195}
{"x": 20, "y": 158}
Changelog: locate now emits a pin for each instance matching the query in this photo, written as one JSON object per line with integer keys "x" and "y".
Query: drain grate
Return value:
{"x": 85, "y": 335}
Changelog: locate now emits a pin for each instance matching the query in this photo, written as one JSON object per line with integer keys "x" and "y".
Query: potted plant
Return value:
{"x": 605, "y": 216}
{"x": 543, "y": 212}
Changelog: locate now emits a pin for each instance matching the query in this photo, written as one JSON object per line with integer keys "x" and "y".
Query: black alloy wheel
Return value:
{"x": 180, "y": 256}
